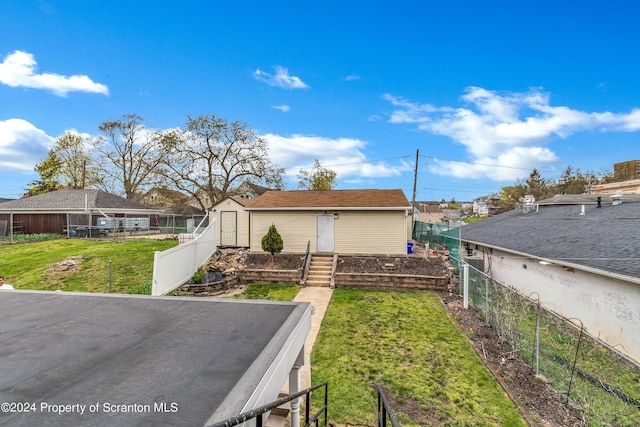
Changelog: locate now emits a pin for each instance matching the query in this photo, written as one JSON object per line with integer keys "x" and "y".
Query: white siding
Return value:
{"x": 356, "y": 232}
{"x": 371, "y": 232}
{"x": 296, "y": 229}
{"x": 242, "y": 217}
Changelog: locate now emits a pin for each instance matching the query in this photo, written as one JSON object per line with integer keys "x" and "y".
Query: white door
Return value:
{"x": 324, "y": 233}
{"x": 228, "y": 228}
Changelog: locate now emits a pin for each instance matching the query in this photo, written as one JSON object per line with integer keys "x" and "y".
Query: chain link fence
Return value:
{"x": 590, "y": 375}
{"x": 436, "y": 236}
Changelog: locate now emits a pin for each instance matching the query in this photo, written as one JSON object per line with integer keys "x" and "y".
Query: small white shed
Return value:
{"x": 233, "y": 221}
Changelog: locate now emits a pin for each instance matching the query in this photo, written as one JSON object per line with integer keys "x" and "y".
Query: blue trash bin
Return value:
{"x": 409, "y": 247}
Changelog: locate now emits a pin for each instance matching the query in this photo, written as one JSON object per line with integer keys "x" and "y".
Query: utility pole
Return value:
{"x": 413, "y": 198}
{"x": 84, "y": 172}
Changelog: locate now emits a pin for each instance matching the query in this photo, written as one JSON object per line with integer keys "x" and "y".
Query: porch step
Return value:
{"x": 278, "y": 416}
{"x": 320, "y": 270}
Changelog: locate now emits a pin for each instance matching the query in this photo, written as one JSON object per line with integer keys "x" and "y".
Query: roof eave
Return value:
{"x": 562, "y": 263}
{"x": 330, "y": 208}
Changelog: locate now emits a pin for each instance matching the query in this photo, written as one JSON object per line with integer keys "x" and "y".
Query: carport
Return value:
{"x": 93, "y": 359}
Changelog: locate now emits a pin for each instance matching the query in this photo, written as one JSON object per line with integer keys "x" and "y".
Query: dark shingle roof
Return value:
{"x": 75, "y": 200}
{"x": 346, "y": 199}
{"x": 606, "y": 238}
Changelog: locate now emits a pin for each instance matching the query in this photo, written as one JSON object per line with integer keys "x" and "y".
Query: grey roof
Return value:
{"x": 203, "y": 358}
{"x": 605, "y": 238}
{"x": 75, "y": 200}
{"x": 587, "y": 199}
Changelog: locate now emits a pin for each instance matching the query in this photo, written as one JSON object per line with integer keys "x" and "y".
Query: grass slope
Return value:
{"x": 406, "y": 342}
{"x": 270, "y": 291}
{"x": 25, "y": 265}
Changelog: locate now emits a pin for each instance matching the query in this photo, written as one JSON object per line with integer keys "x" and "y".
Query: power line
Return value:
{"x": 490, "y": 165}
{"x": 368, "y": 161}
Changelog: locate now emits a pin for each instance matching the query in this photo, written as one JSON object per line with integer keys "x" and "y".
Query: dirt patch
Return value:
{"x": 70, "y": 265}
{"x": 282, "y": 261}
{"x": 434, "y": 267}
{"x": 540, "y": 403}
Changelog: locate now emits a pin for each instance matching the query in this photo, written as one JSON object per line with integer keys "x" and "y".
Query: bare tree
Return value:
{"x": 128, "y": 156}
{"x": 211, "y": 158}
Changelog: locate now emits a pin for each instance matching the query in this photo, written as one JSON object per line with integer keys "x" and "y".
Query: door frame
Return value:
{"x": 330, "y": 236}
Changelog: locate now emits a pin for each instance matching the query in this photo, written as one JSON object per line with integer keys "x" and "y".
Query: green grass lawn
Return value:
{"x": 270, "y": 291}
{"x": 406, "y": 342}
{"x": 25, "y": 265}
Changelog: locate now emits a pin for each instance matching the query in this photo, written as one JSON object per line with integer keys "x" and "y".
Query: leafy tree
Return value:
{"x": 128, "y": 156}
{"x": 317, "y": 178}
{"x": 510, "y": 196}
{"x": 211, "y": 158}
{"x": 272, "y": 242}
{"x": 76, "y": 167}
{"x": 68, "y": 165}
{"x": 49, "y": 171}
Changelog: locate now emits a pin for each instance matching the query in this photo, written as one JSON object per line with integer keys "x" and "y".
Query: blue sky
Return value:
{"x": 485, "y": 91}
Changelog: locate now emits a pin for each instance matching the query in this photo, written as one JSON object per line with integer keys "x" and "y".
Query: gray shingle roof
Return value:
{"x": 74, "y": 200}
{"x": 606, "y": 238}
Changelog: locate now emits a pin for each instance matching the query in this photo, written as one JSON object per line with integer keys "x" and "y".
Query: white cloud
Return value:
{"x": 505, "y": 129}
{"x": 280, "y": 79}
{"x": 22, "y": 145}
{"x": 351, "y": 78}
{"x": 18, "y": 70}
{"x": 283, "y": 108}
{"x": 343, "y": 155}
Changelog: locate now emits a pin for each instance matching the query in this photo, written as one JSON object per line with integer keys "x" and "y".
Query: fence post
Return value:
{"x": 110, "y": 276}
{"x": 538, "y": 338}
{"x": 465, "y": 285}
{"x": 575, "y": 359}
{"x": 486, "y": 298}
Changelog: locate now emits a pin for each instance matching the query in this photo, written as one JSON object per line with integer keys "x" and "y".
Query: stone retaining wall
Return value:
{"x": 207, "y": 289}
{"x": 268, "y": 276}
{"x": 390, "y": 281}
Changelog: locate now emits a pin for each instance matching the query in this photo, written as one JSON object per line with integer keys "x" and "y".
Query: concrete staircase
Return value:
{"x": 320, "y": 270}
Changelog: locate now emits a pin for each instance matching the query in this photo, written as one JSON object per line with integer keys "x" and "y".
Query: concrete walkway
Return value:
{"x": 319, "y": 298}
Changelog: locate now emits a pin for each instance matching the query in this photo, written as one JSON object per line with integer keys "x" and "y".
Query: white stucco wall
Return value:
{"x": 609, "y": 308}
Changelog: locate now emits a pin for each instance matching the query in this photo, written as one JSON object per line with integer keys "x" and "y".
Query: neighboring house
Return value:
{"x": 56, "y": 211}
{"x": 628, "y": 187}
{"x": 429, "y": 212}
{"x": 163, "y": 197}
{"x": 480, "y": 206}
{"x": 333, "y": 221}
{"x": 487, "y": 205}
{"x": 578, "y": 253}
{"x": 249, "y": 190}
{"x": 233, "y": 221}
{"x": 171, "y": 200}
{"x": 449, "y": 215}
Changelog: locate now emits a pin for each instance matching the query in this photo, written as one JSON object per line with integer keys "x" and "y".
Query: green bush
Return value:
{"x": 198, "y": 276}
{"x": 272, "y": 242}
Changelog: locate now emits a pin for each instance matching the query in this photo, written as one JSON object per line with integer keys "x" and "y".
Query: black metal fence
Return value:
{"x": 258, "y": 413}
